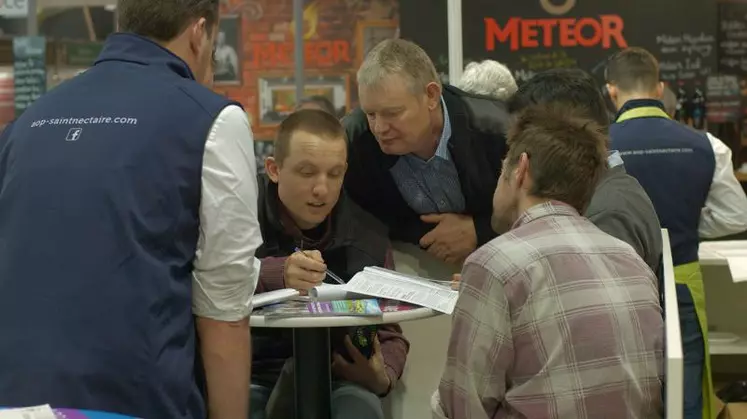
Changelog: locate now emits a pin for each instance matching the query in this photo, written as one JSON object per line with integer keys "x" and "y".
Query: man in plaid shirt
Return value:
{"x": 555, "y": 319}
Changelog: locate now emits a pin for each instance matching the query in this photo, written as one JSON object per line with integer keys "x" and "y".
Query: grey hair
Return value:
{"x": 669, "y": 99}
{"x": 400, "y": 57}
{"x": 488, "y": 78}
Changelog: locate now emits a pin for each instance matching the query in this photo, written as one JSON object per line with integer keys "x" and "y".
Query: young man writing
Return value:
{"x": 301, "y": 207}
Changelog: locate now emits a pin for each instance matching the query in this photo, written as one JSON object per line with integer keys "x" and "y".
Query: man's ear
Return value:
{"x": 197, "y": 34}
{"x": 660, "y": 90}
{"x": 523, "y": 181}
{"x": 272, "y": 168}
{"x": 614, "y": 93}
{"x": 433, "y": 92}
{"x": 612, "y": 90}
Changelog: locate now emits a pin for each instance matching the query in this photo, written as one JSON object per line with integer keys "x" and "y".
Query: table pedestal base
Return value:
{"x": 313, "y": 376}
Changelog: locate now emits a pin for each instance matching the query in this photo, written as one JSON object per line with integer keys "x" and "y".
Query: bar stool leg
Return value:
{"x": 313, "y": 378}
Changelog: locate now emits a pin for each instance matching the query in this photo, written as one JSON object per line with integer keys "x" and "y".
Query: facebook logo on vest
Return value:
{"x": 73, "y": 134}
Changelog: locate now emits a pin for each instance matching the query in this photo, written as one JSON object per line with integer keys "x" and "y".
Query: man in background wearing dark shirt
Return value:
{"x": 619, "y": 207}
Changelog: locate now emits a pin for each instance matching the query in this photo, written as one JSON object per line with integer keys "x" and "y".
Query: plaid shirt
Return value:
{"x": 555, "y": 319}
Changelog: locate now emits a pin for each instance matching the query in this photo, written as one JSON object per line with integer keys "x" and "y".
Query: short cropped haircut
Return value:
{"x": 164, "y": 20}
{"x": 633, "y": 70}
{"x": 398, "y": 57}
{"x": 320, "y": 101}
{"x": 567, "y": 153}
{"x": 669, "y": 99}
{"x": 488, "y": 78}
{"x": 572, "y": 87}
{"x": 311, "y": 121}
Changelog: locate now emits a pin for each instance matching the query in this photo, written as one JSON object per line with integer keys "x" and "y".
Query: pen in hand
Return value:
{"x": 328, "y": 272}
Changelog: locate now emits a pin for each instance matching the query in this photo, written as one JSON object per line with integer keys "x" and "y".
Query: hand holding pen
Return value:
{"x": 328, "y": 272}
{"x": 304, "y": 270}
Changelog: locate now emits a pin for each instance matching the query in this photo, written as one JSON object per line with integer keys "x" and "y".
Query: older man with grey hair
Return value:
{"x": 488, "y": 78}
{"x": 424, "y": 157}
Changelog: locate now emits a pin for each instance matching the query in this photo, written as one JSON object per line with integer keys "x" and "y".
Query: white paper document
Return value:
{"x": 383, "y": 283}
{"x": 34, "y": 412}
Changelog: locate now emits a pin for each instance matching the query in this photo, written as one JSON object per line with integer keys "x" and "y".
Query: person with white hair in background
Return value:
{"x": 488, "y": 78}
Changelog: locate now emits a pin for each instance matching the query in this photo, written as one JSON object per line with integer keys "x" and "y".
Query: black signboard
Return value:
{"x": 29, "y": 70}
{"x": 732, "y": 39}
{"x": 533, "y": 35}
{"x": 724, "y": 100}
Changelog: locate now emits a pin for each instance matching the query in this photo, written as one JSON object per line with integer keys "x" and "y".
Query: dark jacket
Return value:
{"x": 621, "y": 208}
{"x": 675, "y": 166}
{"x": 477, "y": 146}
{"x": 355, "y": 240}
{"x": 99, "y": 224}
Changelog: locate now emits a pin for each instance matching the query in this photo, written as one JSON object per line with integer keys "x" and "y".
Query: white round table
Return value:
{"x": 312, "y": 353}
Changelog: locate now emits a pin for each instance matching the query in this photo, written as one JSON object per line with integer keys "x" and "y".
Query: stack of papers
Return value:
{"x": 324, "y": 292}
{"x": 373, "y": 282}
{"x": 365, "y": 308}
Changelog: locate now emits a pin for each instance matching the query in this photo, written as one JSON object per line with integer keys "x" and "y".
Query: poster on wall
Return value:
{"x": 261, "y": 38}
{"x": 371, "y": 33}
{"x": 277, "y": 94}
{"x": 535, "y": 35}
{"x": 227, "y": 51}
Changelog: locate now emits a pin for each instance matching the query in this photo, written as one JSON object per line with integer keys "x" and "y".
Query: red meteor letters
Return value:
{"x": 566, "y": 32}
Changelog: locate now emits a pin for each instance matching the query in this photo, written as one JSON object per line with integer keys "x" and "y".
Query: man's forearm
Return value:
{"x": 226, "y": 355}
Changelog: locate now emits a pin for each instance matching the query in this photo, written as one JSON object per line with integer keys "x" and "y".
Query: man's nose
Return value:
{"x": 320, "y": 189}
{"x": 380, "y": 127}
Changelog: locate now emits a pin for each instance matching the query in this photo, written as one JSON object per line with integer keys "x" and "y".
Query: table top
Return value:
{"x": 257, "y": 320}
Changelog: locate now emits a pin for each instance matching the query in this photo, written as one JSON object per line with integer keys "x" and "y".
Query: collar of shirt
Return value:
{"x": 442, "y": 151}
{"x": 443, "y": 143}
{"x": 614, "y": 159}
{"x": 638, "y": 103}
{"x": 545, "y": 209}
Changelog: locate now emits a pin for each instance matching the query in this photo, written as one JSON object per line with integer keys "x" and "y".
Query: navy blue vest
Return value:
{"x": 100, "y": 185}
{"x": 675, "y": 166}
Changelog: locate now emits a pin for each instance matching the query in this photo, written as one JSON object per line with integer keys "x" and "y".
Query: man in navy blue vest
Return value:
{"x": 128, "y": 228}
{"x": 684, "y": 176}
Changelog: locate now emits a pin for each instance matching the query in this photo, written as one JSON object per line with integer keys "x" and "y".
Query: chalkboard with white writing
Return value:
{"x": 732, "y": 39}
{"x": 29, "y": 70}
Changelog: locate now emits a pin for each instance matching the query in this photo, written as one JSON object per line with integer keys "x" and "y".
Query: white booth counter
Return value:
{"x": 724, "y": 266}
